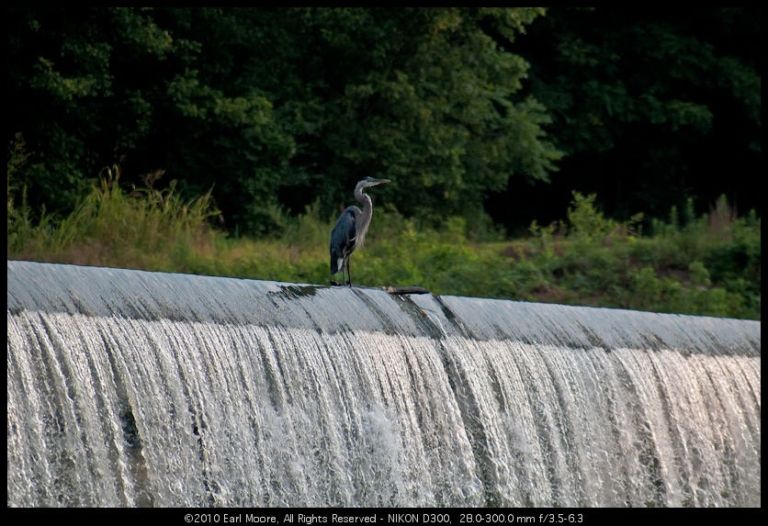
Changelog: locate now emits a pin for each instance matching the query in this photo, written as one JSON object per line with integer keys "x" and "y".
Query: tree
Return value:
{"x": 426, "y": 98}
{"x": 277, "y": 106}
{"x": 649, "y": 105}
{"x": 93, "y": 86}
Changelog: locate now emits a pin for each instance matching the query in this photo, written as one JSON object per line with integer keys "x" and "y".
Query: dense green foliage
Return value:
{"x": 277, "y": 106}
{"x": 463, "y": 108}
{"x": 706, "y": 265}
{"x": 648, "y": 105}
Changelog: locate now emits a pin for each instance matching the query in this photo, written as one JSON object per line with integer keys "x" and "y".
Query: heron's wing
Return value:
{"x": 343, "y": 238}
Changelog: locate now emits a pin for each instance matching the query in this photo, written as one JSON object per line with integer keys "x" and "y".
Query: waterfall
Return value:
{"x": 131, "y": 388}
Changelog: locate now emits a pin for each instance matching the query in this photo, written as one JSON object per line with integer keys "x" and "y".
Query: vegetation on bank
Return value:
{"x": 708, "y": 265}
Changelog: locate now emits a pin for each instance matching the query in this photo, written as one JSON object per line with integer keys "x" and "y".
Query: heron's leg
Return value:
{"x": 349, "y": 272}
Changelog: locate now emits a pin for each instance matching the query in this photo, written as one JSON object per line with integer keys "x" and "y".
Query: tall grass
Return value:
{"x": 148, "y": 228}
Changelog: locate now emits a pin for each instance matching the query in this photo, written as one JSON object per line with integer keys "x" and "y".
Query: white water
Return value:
{"x": 130, "y": 388}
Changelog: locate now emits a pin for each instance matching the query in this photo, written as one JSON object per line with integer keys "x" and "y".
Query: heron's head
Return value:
{"x": 370, "y": 181}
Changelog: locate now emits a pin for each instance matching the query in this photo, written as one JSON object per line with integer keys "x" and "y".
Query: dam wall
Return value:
{"x": 132, "y": 388}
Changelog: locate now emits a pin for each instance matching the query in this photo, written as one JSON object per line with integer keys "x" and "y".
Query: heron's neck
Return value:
{"x": 364, "y": 219}
{"x": 365, "y": 200}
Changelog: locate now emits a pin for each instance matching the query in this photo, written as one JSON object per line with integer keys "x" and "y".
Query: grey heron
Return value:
{"x": 351, "y": 228}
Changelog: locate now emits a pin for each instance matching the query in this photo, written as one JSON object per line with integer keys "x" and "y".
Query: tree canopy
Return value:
{"x": 649, "y": 106}
{"x": 463, "y": 108}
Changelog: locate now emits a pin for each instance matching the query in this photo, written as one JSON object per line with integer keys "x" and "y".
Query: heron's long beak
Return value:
{"x": 381, "y": 181}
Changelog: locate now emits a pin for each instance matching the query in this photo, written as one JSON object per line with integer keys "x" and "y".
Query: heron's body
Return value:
{"x": 344, "y": 238}
{"x": 349, "y": 232}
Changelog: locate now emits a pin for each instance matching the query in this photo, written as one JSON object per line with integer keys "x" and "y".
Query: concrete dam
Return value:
{"x": 131, "y": 388}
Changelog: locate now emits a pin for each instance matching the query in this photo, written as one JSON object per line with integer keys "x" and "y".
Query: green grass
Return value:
{"x": 710, "y": 265}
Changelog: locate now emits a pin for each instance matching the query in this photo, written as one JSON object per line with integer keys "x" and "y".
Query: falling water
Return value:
{"x": 130, "y": 388}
